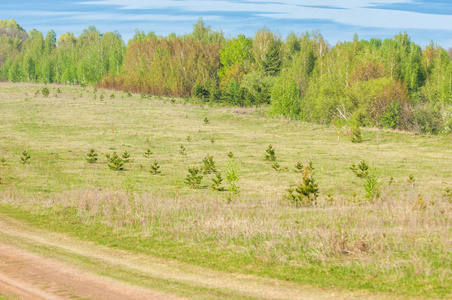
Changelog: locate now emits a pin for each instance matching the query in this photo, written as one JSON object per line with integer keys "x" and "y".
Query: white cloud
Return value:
{"x": 349, "y": 12}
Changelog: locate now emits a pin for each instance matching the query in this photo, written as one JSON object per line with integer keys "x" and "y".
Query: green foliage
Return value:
{"x": 411, "y": 180}
{"x": 361, "y": 170}
{"x": 371, "y": 186}
{"x": 230, "y": 154}
{"x": 285, "y": 98}
{"x": 276, "y": 166}
{"x": 392, "y": 116}
{"x": 427, "y": 118}
{"x": 148, "y": 153}
{"x": 194, "y": 177}
{"x": 355, "y": 134}
{"x": 91, "y": 156}
{"x": 200, "y": 92}
{"x": 115, "y": 162}
{"x": 182, "y": 150}
{"x": 25, "y": 158}
{"x": 270, "y": 153}
{"x": 45, "y": 92}
{"x": 232, "y": 177}
{"x": 209, "y": 165}
{"x": 299, "y": 167}
{"x": 155, "y": 167}
{"x": 306, "y": 192}
{"x": 217, "y": 181}
{"x": 206, "y": 121}
{"x": 126, "y": 157}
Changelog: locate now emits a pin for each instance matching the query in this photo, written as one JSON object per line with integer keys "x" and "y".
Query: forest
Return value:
{"x": 392, "y": 83}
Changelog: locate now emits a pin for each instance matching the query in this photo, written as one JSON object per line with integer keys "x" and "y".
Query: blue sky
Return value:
{"x": 338, "y": 20}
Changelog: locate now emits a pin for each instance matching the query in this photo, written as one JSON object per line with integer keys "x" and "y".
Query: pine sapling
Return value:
{"x": 299, "y": 167}
{"x": 126, "y": 157}
{"x": 155, "y": 167}
{"x": 209, "y": 164}
{"x": 91, "y": 156}
{"x": 182, "y": 150}
{"x": 194, "y": 177}
{"x": 270, "y": 153}
{"x": 115, "y": 162}
{"x": 147, "y": 153}
{"x": 217, "y": 180}
{"x": 306, "y": 192}
{"x": 25, "y": 158}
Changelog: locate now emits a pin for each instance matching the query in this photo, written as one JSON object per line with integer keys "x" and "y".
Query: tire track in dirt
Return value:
{"x": 69, "y": 268}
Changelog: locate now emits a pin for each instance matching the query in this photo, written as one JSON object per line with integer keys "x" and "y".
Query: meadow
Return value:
{"x": 397, "y": 242}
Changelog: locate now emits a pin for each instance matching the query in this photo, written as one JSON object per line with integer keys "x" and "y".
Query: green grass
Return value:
{"x": 399, "y": 244}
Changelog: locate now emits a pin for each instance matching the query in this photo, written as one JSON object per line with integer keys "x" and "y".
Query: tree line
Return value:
{"x": 392, "y": 83}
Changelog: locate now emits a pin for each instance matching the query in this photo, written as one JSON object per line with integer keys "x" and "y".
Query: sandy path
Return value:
{"x": 30, "y": 276}
{"x": 35, "y": 264}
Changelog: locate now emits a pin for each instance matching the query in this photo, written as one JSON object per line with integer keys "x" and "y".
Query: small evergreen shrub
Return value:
{"x": 232, "y": 177}
{"x": 276, "y": 166}
{"x": 189, "y": 139}
{"x": 206, "y": 121}
{"x": 270, "y": 153}
{"x": 155, "y": 167}
{"x": 209, "y": 165}
{"x": 126, "y": 157}
{"x": 182, "y": 150}
{"x": 363, "y": 171}
{"x": 299, "y": 167}
{"x": 112, "y": 96}
{"x": 194, "y": 177}
{"x": 91, "y": 156}
{"x": 411, "y": 180}
{"x": 355, "y": 134}
{"x": 212, "y": 140}
{"x": 230, "y": 155}
{"x": 25, "y": 158}
{"x": 45, "y": 92}
{"x": 217, "y": 180}
{"x": 306, "y": 192}
{"x": 115, "y": 162}
{"x": 147, "y": 153}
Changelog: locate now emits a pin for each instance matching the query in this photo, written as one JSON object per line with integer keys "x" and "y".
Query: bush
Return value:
{"x": 270, "y": 153}
{"x": 217, "y": 180}
{"x": 363, "y": 171}
{"x": 155, "y": 167}
{"x": 427, "y": 119}
{"x": 306, "y": 192}
{"x": 91, "y": 156}
{"x": 200, "y": 92}
{"x": 209, "y": 165}
{"x": 45, "y": 92}
{"x": 193, "y": 177}
{"x": 115, "y": 162}
{"x": 25, "y": 158}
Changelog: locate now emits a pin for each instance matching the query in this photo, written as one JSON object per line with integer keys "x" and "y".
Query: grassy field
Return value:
{"x": 398, "y": 243}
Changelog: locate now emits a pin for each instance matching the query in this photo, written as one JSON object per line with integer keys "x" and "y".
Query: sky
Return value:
{"x": 337, "y": 20}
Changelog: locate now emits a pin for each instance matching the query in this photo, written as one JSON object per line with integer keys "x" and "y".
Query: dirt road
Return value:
{"x": 35, "y": 264}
